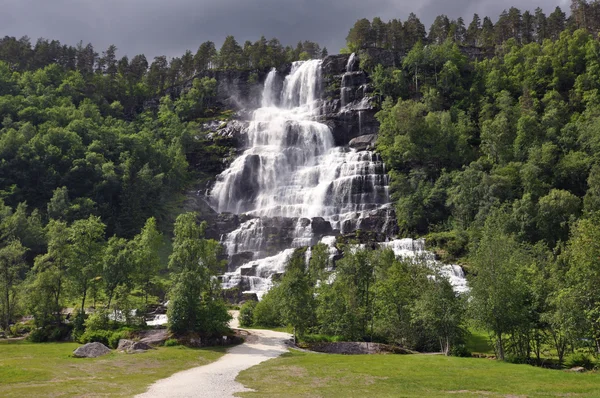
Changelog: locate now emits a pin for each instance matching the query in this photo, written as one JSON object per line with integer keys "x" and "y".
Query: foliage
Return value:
{"x": 246, "y": 316}
{"x": 196, "y": 303}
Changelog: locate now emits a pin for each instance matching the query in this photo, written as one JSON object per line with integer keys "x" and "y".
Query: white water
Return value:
{"x": 415, "y": 250}
{"x": 293, "y": 169}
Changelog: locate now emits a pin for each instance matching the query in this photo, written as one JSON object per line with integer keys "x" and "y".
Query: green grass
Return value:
{"x": 478, "y": 342}
{"x": 48, "y": 370}
{"x": 301, "y": 374}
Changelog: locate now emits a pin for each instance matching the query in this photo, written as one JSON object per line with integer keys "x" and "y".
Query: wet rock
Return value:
{"x": 363, "y": 142}
{"x": 321, "y": 227}
{"x": 91, "y": 350}
{"x": 239, "y": 259}
{"x": 335, "y": 64}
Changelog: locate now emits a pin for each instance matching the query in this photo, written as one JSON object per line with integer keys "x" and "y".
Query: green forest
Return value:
{"x": 489, "y": 133}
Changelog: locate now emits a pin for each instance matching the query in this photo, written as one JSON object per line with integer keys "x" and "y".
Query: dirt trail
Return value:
{"x": 217, "y": 380}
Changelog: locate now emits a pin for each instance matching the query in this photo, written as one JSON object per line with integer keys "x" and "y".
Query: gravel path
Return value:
{"x": 217, "y": 380}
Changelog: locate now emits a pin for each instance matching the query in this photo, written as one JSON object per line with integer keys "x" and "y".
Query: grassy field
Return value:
{"x": 300, "y": 374}
{"x": 48, "y": 370}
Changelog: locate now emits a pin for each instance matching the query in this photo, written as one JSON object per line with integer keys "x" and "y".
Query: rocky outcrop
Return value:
{"x": 363, "y": 142}
{"x": 91, "y": 350}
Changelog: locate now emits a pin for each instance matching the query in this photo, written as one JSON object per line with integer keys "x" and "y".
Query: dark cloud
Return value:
{"x": 156, "y": 27}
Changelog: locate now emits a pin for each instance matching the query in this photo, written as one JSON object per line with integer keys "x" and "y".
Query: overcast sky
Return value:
{"x": 169, "y": 27}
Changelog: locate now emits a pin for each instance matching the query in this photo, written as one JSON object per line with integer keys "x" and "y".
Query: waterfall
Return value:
{"x": 293, "y": 170}
{"x": 293, "y": 179}
{"x": 414, "y": 249}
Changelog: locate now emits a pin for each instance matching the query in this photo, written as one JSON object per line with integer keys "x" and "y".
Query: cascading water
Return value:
{"x": 293, "y": 171}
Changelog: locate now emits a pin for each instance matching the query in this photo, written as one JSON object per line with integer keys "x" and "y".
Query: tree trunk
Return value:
{"x": 500, "y": 345}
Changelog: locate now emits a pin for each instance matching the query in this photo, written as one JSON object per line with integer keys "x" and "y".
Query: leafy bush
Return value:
{"x": 267, "y": 312}
{"x": 113, "y": 340}
{"x": 96, "y": 336}
{"x": 172, "y": 343}
{"x": 582, "y": 360}
{"x": 97, "y": 321}
{"x": 460, "y": 350}
{"x": 49, "y": 333}
{"x": 247, "y": 313}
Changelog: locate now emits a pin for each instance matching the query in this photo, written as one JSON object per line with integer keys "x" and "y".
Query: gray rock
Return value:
{"x": 133, "y": 347}
{"x": 125, "y": 345}
{"x": 577, "y": 369}
{"x": 91, "y": 350}
{"x": 138, "y": 346}
{"x": 363, "y": 142}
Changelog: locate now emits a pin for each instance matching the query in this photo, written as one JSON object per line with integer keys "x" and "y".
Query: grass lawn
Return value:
{"x": 48, "y": 370}
{"x": 300, "y": 374}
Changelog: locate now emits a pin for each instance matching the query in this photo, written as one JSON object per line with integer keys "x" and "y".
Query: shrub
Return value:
{"x": 579, "y": 359}
{"x": 460, "y": 350}
{"x": 267, "y": 312}
{"x": 38, "y": 336}
{"x": 247, "y": 313}
{"x": 172, "y": 343}
{"x": 113, "y": 340}
{"x": 97, "y": 321}
{"x": 49, "y": 333}
{"x": 96, "y": 336}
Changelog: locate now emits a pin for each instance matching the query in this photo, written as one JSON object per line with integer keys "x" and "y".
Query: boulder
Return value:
{"x": 91, "y": 350}
{"x": 364, "y": 142}
{"x": 132, "y": 347}
{"x": 139, "y": 346}
{"x": 154, "y": 337}
{"x": 125, "y": 344}
{"x": 577, "y": 369}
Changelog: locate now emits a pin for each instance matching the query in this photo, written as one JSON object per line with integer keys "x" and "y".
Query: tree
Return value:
{"x": 194, "y": 297}
{"x": 414, "y": 31}
{"x": 229, "y": 55}
{"x": 583, "y": 277}
{"x": 440, "y": 311}
{"x": 50, "y": 279}
{"x": 12, "y": 270}
{"x": 473, "y": 31}
{"x": 146, "y": 246}
{"x": 205, "y": 56}
{"x": 86, "y": 238}
{"x": 297, "y": 305}
{"x": 117, "y": 266}
{"x": 498, "y": 291}
{"x": 360, "y": 36}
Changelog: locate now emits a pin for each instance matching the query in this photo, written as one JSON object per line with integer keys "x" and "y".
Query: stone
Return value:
{"x": 238, "y": 260}
{"x": 321, "y": 227}
{"x": 125, "y": 345}
{"x": 139, "y": 346}
{"x": 363, "y": 142}
{"x": 154, "y": 337}
{"x": 91, "y": 350}
{"x": 577, "y": 369}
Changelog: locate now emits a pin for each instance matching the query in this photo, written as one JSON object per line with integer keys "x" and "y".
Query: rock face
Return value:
{"x": 91, "y": 350}
{"x": 363, "y": 142}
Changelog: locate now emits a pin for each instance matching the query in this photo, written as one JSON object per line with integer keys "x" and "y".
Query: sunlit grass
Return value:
{"x": 48, "y": 370}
